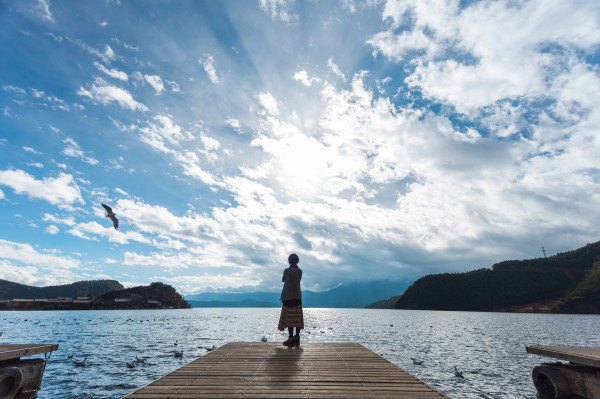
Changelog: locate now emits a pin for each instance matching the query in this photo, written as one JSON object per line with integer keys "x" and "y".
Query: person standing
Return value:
{"x": 291, "y": 297}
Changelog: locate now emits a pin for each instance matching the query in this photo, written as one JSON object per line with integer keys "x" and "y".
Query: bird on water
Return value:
{"x": 81, "y": 363}
{"x": 458, "y": 373}
{"x": 111, "y": 215}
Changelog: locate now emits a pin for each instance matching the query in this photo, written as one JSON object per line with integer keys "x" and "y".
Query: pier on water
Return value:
{"x": 269, "y": 370}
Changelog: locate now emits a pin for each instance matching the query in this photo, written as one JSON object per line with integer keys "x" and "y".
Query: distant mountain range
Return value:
{"x": 567, "y": 282}
{"x": 353, "y": 295}
{"x": 10, "y": 290}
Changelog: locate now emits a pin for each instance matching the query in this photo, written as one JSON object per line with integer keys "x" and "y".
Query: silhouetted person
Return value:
{"x": 291, "y": 297}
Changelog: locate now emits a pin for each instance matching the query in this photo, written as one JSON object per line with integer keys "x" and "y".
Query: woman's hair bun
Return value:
{"x": 293, "y": 259}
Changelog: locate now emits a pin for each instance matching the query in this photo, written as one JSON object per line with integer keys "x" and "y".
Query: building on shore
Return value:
{"x": 80, "y": 303}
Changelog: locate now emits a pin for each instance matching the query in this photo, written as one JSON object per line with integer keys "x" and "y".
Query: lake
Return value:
{"x": 488, "y": 347}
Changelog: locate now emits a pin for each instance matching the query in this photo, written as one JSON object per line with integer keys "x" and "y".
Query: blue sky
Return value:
{"x": 378, "y": 140}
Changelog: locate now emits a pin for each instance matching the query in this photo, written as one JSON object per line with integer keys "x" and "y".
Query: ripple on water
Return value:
{"x": 489, "y": 348}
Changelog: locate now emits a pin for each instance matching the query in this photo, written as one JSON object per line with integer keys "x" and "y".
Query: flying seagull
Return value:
{"x": 111, "y": 215}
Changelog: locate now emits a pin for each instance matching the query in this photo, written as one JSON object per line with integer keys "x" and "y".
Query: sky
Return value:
{"x": 375, "y": 139}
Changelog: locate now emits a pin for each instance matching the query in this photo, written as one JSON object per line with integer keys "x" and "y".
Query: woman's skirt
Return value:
{"x": 291, "y": 316}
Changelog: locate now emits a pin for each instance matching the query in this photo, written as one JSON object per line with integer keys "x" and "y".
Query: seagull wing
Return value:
{"x": 107, "y": 208}
{"x": 115, "y": 221}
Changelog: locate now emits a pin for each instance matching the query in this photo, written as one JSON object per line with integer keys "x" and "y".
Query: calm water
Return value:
{"x": 488, "y": 347}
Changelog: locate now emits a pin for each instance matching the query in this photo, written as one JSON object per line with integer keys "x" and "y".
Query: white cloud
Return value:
{"x": 208, "y": 63}
{"x": 61, "y": 190}
{"x": 36, "y": 276}
{"x": 36, "y": 165}
{"x": 86, "y": 230}
{"x": 27, "y": 255}
{"x": 110, "y": 261}
{"x": 191, "y": 284}
{"x": 268, "y": 103}
{"x": 113, "y": 73}
{"x": 490, "y": 63}
{"x": 74, "y": 150}
{"x": 52, "y": 229}
{"x": 14, "y": 89}
{"x": 156, "y": 82}
{"x": 37, "y": 93}
{"x": 335, "y": 69}
{"x": 120, "y": 192}
{"x": 302, "y": 77}
{"x": 278, "y": 9}
{"x": 102, "y": 92}
{"x": 103, "y": 24}
{"x": 174, "y": 86}
{"x": 29, "y": 149}
{"x": 43, "y": 8}
{"x": 66, "y": 220}
{"x": 209, "y": 143}
{"x": 233, "y": 122}
{"x": 165, "y": 131}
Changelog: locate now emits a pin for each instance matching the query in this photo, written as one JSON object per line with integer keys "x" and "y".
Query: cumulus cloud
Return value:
{"x": 278, "y": 9}
{"x": 208, "y": 64}
{"x": 162, "y": 132}
{"x": 61, "y": 191}
{"x": 113, "y": 73}
{"x": 14, "y": 89}
{"x": 335, "y": 69}
{"x": 156, "y": 82}
{"x": 64, "y": 219}
{"x": 73, "y": 149}
{"x": 104, "y": 93}
{"x": 269, "y": 104}
{"x": 166, "y": 136}
{"x": 302, "y": 77}
{"x": 52, "y": 229}
{"x": 488, "y": 64}
{"x": 43, "y": 9}
{"x": 30, "y": 149}
{"x": 90, "y": 230}
{"x": 25, "y": 254}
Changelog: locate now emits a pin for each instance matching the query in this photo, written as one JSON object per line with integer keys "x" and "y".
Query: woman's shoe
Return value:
{"x": 296, "y": 340}
{"x": 289, "y": 341}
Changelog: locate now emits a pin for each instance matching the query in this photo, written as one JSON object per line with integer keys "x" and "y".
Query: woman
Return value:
{"x": 291, "y": 297}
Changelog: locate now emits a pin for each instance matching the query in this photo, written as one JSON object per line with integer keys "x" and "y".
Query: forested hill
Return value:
{"x": 164, "y": 293}
{"x": 566, "y": 282}
{"x": 11, "y": 290}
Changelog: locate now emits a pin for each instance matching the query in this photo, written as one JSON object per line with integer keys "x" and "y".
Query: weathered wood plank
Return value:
{"x": 574, "y": 354}
{"x": 16, "y": 351}
{"x": 267, "y": 370}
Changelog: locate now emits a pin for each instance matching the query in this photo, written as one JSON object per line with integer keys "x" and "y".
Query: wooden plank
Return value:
{"x": 575, "y": 354}
{"x": 270, "y": 370}
{"x": 15, "y": 351}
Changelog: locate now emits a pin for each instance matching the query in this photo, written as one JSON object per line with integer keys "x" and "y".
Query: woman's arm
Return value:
{"x": 283, "y": 278}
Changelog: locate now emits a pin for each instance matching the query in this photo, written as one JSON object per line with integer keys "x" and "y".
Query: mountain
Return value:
{"x": 163, "y": 293}
{"x": 10, "y": 290}
{"x": 567, "y": 282}
{"x": 388, "y": 303}
{"x": 353, "y": 295}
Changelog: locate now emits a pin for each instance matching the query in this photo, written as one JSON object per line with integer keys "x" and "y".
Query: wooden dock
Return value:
{"x": 16, "y": 351}
{"x": 580, "y": 377}
{"x": 270, "y": 370}
{"x": 574, "y": 354}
